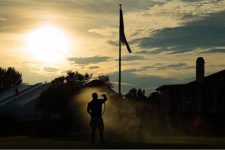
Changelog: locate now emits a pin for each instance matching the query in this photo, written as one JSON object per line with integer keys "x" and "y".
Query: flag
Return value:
{"x": 122, "y": 34}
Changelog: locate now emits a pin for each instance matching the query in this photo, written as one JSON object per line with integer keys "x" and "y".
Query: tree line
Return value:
{"x": 63, "y": 87}
{"x": 57, "y": 97}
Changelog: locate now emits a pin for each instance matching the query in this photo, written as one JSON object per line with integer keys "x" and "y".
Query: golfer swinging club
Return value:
{"x": 94, "y": 108}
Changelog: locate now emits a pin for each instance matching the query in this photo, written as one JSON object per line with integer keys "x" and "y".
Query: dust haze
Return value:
{"x": 128, "y": 119}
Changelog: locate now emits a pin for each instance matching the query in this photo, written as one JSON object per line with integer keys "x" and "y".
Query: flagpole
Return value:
{"x": 119, "y": 58}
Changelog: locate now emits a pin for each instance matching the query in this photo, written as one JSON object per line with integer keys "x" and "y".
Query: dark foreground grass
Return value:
{"x": 153, "y": 142}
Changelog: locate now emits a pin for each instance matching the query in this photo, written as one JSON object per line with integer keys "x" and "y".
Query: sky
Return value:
{"x": 166, "y": 37}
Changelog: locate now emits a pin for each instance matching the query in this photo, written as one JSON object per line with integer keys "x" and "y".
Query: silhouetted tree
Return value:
{"x": 132, "y": 93}
{"x": 75, "y": 79}
{"x": 9, "y": 78}
{"x": 57, "y": 97}
{"x": 106, "y": 80}
{"x": 136, "y": 94}
{"x": 141, "y": 94}
{"x": 58, "y": 81}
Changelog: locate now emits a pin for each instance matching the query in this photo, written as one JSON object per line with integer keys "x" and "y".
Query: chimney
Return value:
{"x": 200, "y": 69}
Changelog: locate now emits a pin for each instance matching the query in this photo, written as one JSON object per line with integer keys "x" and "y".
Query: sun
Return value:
{"x": 48, "y": 43}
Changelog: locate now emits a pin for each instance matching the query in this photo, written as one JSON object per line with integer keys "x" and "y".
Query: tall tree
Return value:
{"x": 9, "y": 78}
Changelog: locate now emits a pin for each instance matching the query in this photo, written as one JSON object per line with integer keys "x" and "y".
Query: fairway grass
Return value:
{"x": 153, "y": 142}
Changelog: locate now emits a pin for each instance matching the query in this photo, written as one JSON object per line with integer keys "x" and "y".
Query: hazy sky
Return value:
{"x": 166, "y": 37}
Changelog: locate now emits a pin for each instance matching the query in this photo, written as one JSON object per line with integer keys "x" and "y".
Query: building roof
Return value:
{"x": 169, "y": 86}
{"x": 216, "y": 79}
{"x": 213, "y": 78}
{"x": 23, "y": 105}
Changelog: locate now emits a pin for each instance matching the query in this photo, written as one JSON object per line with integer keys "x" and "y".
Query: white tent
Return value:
{"x": 23, "y": 105}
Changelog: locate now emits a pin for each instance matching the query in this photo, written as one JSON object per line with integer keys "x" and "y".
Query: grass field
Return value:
{"x": 154, "y": 142}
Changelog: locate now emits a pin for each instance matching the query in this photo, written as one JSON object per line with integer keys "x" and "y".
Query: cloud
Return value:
{"x": 144, "y": 52}
{"x": 132, "y": 58}
{"x": 150, "y": 82}
{"x": 18, "y": 20}
{"x": 25, "y": 62}
{"x": 221, "y": 65}
{"x": 2, "y": 19}
{"x": 205, "y": 33}
{"x": 89, "y": 60}
{"x": 190, "y": 8}
{"x": 104, "y": 7}
{"x": 50, "y": 69}
{"x": 132, "y": 70}
{"x": 105, "y": 31}
{"x": 113, "y": 42}
{"x": 94, "y": 67}
{"x": 215, "y": 50}
{"x": 173, "y": 66}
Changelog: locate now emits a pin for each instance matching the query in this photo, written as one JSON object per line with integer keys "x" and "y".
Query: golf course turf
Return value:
{"x": 155, "y": 142}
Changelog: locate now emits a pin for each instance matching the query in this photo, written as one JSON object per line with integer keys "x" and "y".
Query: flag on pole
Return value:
{"x": 122, "y": 34}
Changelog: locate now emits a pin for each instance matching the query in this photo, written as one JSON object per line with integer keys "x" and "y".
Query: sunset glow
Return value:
{"x": 45, "y": 39}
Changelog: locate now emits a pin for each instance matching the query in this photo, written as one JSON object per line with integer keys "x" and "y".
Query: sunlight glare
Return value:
{"x": 48, "y": 44}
